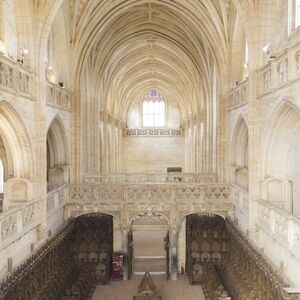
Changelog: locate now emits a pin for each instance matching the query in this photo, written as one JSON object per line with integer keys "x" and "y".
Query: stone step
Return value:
{"x": 156, "y": 265}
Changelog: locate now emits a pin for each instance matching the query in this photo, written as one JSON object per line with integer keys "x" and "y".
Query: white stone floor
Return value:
{"x": 168, "y": 290}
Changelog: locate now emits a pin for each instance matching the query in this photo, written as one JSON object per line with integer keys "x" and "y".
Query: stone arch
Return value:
{"x": 16, "y": 156}
{"x": 100, "y": 211}
{"x": 223, "y": 215}
{"x": 16, "y": 142}
{"x": 281, "y": 163}
{"x": 239, "y": 153}
{"x": 93, "y": 241}
{"x": 57, "y": 154}
{"x": 202, "y": 240}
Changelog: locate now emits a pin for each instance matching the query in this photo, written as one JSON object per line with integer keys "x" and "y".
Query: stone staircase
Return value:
{"x": 156, "y": 265}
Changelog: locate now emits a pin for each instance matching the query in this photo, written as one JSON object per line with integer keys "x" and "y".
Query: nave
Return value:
{"x": 167, "y": 289}
{"x": 219, "y": 264}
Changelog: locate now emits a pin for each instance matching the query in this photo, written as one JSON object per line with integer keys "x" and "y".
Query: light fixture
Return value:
{"x": 22, "y": 52}
{"x": 49, "y": 71}
{"x": 268, "y": 50}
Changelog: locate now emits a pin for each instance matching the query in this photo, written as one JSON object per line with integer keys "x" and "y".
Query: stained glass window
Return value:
{"x": 154, "y": 109}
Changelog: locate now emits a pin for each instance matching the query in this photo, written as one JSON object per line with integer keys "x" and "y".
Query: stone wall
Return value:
{"x": 152, "y": 154}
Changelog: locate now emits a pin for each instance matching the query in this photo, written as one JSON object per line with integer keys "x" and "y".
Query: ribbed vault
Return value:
{"x": 121, "y": 49}
{"x": 129, "y": 46}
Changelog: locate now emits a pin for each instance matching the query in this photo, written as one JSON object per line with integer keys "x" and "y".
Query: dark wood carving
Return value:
{"x": 206, "y": 241}
{"x": 245, "y": 271}
{"x": 226, "y": 264}
{"x": 65, "y": 266}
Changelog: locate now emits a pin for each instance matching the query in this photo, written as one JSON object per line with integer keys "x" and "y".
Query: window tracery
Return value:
{"x": 154, "y": 108}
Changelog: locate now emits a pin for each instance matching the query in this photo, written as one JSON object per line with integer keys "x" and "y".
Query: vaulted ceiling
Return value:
{"x": 131, "y": 46}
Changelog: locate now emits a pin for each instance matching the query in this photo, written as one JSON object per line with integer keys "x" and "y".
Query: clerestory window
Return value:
{"x": 154, "y": 109}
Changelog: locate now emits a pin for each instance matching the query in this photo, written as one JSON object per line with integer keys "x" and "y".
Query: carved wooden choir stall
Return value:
{"x": 222, "y": 260}
{"x": 68, "y": 265}
{"x": 218, "y": 256}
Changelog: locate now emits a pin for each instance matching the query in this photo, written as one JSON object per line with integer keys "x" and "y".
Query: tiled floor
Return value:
{"x": 169, "y": 290}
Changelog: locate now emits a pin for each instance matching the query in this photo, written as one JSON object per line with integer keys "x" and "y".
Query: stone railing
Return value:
{"x": 150, "y": 192}
{"x": 280, "y": 225}
{"x": 56, "y": 199}
{"x": 154, "y": 132}
{"x": 240, "y": 198}
{"x": 239, "y": 94}
{"x": 58, "y": 97}
{"x": 18, "y": 221}
{"x": 15, "y": 78}
{"x": 152, "y": 178}
{"x": 168, "y": 202}
{"x": 280, "y": 71}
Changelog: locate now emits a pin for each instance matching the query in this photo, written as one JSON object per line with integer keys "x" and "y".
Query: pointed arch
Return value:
{"x": 16, "y": 143}
{"x": 57, "y": 154}
{"x": 281, "y": 162}
{"x": 282, "y": 126}
{"x": 57, "y": 142}
{"x": 239, "y": 153}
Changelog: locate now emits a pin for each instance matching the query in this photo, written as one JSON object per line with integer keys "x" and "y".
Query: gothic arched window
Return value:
{"x": 154, "y": 109}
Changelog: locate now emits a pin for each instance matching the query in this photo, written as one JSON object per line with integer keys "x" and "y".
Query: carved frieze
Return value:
{"x": 154, "y": 132}
{"x": 14, "y": 77}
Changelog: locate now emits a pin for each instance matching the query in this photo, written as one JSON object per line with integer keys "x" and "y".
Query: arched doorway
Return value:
{"x": 93, "y": 244}
{"x": 206, "y": 247}
{"x": 150, "y": 244}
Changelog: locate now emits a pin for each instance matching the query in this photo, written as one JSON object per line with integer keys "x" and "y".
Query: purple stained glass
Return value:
{"x": 154, "y": 95}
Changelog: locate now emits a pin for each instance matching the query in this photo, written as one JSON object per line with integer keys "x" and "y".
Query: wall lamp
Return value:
{"x": 22, "y": 52}
{"x": 268, "y": 50}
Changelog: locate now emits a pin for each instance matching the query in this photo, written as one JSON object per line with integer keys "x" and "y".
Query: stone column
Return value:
{"x": 173, "y": 246}
{"x": 125, "y": 245}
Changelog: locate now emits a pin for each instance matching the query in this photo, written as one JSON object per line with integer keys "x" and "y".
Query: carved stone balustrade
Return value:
{"x": 55, "y": 199}
{"x": 58, "y": 97}
{"x": 280, "y": 71}
{"x": 18, "y": 221}
{"x": 15, "y": 78}
{"x": 239, "y": 94}
{"x": 172, "y": 201}
{"x": 280, "y": 225}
